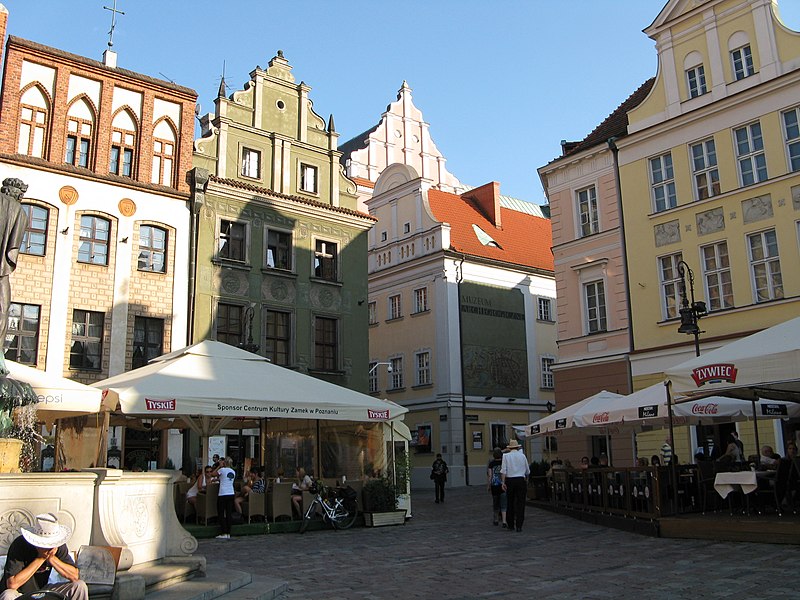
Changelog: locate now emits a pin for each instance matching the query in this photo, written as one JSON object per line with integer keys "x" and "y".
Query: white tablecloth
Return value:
{"x": 725, "y": 483}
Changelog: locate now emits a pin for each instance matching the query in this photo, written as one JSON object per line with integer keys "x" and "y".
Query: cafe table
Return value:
{"x": 725, "y": 483}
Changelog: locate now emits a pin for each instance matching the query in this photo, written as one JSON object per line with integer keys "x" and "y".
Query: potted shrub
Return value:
{"x": 380, "y": 503}
{"x": 17, "y": 430}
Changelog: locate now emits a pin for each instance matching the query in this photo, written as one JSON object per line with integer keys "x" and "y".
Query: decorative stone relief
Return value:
{"x": 710, "y": 221}
{"x": 757, "y": 209}
{"x": 325, "y": 297}
{"x": 278, "y": 290}
{"x": 667, "y": 233}
{"x": 10, "y": 523}
{"x": 231, "y": 282}
{"x": 796, "y": 197}
{"x": 733, "y": 215}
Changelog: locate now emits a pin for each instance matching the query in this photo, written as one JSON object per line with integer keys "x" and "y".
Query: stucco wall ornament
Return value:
{"x": 710, "y": 221}
{"x": 667, "y": 233}
{"x": 757, "y": 209}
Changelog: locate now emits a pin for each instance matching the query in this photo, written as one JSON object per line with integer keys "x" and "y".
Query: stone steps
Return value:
{"x": 222, "y": 583}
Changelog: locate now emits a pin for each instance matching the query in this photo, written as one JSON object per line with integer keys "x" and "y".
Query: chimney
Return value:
{"x": 487, "y": 199}
{"x": 3, "y": 26}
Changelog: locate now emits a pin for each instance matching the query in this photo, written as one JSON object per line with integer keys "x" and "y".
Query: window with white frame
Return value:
{"x": 372, "y": 313}
{"x": 587, "y": 211}
{"x": 279, "y": 249}
{"x": 420, "y": 300}
{"x": 396, "y": 378}
{"x": 717, "y": 276}
{"x": 548, "y": 381}
{"x": 251, "y": 163}
{"x": 80, "y": 132}
{"x": 742, "y": 62}
{"x": 152, "y": 249}
{"x": 123, "y": 144}
{"x": 704, "y": 168}
{"x": 765, "y": 265}
{"x": 670, "y": 284}
{"x": 750, "y": 154}
{"x": 662, "y": 182}
{"x": 34, "y": 240}
{"x": 791, "y": 129}
{"x": 232, "y": 240}
{"x": 308, "y": 178}
{"x": 95, "y": 235}
{"x": 372, "y": 379}
{"x": 33, "y": 123}
{"x": 163, "y": 154}
{"x": 696, "y": 81}
{"x": 595, "y": 301}
{"x": 325, "y": 260}
{"x": 422, "y": 370}
{"x": 395, "y": 307}
{"x": 545, "y": 309}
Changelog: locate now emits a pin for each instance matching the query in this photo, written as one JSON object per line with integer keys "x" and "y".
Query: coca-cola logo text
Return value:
{"x": 160, "y": 404}
{"x": 602, "y": 417}
{"x": 714, "y": 374}
{"x": 705, "y": 409}
{"x": 378, "y": 414}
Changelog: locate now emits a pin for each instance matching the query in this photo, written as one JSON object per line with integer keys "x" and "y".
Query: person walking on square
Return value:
{"x": 494, "y": 483}
{"x": 439, "y": 471}
{"x": 225, "y": 498}
{"x": 514, "y": 473}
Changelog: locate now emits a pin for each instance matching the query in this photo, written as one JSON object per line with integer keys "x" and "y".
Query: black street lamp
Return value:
{"x": 690, "y": 312}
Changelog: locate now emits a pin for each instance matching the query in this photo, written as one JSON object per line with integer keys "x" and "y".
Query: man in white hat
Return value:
{"x": 514, "y": 475}
{"x": 41, "y": 548}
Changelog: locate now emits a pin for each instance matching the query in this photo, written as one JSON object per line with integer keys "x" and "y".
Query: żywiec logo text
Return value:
{"x": 378, "y": 414}
{"x": 714, "y": 374}
{"x": 160, "y": 404}
{"x": 705, "y": 409}
{"x": 600, "y": 417}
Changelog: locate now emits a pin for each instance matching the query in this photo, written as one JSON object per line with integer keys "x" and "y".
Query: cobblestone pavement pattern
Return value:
{"x": 452, "y": 551}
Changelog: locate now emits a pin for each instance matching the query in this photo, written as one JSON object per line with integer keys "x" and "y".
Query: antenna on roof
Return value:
{"x": 114, "y": 13}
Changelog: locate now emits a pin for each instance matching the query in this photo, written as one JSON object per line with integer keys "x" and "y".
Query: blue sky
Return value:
{"x": 500, "y": 82}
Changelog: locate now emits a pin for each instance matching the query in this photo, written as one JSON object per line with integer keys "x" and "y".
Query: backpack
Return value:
{"x": 496, "y": 480}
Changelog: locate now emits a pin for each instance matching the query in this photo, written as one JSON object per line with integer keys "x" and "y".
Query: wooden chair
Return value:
{"x": 206, "y": 506}
{"x": 705, "y": 482}
{"x": 180, "y": 488}
{"x": 773, "y": 490}
{"x": 279, "y": 502}
{"x": 255, "y": 506}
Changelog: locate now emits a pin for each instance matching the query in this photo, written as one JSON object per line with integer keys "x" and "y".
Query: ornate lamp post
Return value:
{"x": 690, "y": 312}
{"x": 249, "y": 313}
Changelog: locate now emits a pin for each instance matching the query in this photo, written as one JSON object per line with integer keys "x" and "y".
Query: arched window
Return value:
{"x": 163, "y": 153}
{"x": 34, "y": 240}
{"x": 123, "y": 144}
{"x": 80, "y": 133}
{"x": 95, "y": 235}
{"x": 152, "y": 249}
{"x": 34, "y": 111}
{"x": 695, "y": 74}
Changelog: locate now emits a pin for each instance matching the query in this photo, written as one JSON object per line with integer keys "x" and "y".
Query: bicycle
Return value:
{"x": 339, "y": 508}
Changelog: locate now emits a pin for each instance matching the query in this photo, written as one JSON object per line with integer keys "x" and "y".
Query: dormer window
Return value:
{"x": 695, "y": 75}
{"x": 742, "y": 61}
{"x": 484, "y": 238}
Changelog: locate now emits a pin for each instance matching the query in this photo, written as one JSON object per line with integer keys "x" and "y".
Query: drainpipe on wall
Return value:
{"x": 612, "y": 145}
{"x": 459, "y": 279}
{"x": 198, "y": 180}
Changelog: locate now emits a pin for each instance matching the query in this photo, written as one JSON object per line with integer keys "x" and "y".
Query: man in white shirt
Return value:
{"x": 514, "y": 475}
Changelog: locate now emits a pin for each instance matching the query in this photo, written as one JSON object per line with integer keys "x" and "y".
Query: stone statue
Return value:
{"x": 13, "y": 222}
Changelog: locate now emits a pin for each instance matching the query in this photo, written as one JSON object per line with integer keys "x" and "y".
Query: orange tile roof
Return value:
{"x": 363, "y": 182}
{"x": 524, "y": 240}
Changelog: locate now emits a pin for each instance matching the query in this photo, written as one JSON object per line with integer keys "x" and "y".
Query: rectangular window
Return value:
{"x": 395, "y": 307}
{"x": 791, "y": 128}
{"x": 372, "y": 378}
{"x": 163, "y": 153}
{"x": 251, "y": 163}
{"x": 545, "y": 309}
{"x": 325, "y": 260}
{"x": 326, "y": 344}
{"x": 396, "y": 378}
{"x": 77, "y": 149}
{"x": 152, "y": 249}
{"x": 670, "y": 285}
{"x": 86, "y": 351}
{"x": 121, "y": 161}
{"x": 34, "y": 240}
{"x": 308, "y": 178}
{"x": 22, "y": 335}
{"x": 595, "y": 298}
{"x": 742, "y": 61}
{"x": 95, "y": 234}
{"x": 278, "y": 341}
{"x": 548, "y": 381}
{"x": 717, "y": 276}
{"x": 499, "y": 435}
{"x": 148, "y": 340}
{"x": 32, "y": 130}
{"x": 372, "y": 312}
{"x": 696, "y": 79}
{"x": 587, "y": 209}
{"x": 229, "y": 324}
{"x": 422, "y": 374}
{"x": 420, "y": 300}
{"x": 704, "y": 168}
{"x": 765, "y": 265}
{"x": 232, "y": 238}
{"x": 662, "y": 181}
{"x": 279, "y": 250}
{"x": 750, "y": 154}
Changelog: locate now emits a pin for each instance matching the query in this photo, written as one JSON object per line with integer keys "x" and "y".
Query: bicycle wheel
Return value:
{"x": 307, "y": 516}
{"x": 345, "y": 514}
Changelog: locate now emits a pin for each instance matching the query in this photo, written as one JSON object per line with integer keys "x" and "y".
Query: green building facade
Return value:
{"x": 280, "y": 247}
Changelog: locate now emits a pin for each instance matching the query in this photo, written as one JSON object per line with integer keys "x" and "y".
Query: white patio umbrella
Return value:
{"x": 58, "y": 397}
{"x": 565, "y": 418}
{"x": 763, "y": 365}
